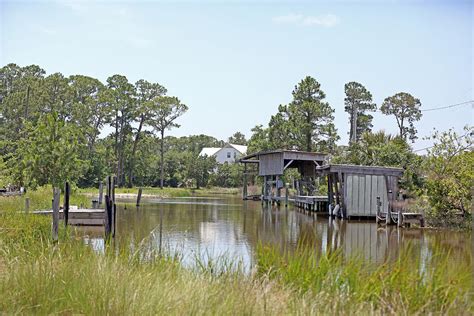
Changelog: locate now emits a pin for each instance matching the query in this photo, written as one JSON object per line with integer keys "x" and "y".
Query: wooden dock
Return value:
{"x": 80, "y": 217}
{"x": 312, "y": 203}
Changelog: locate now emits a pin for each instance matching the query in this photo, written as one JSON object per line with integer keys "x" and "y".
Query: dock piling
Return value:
{"x": 67, "y": 192}
{"x": 55, "y": 225}
{"x": 139, "y": 196}
{"x": 27, "y": 205}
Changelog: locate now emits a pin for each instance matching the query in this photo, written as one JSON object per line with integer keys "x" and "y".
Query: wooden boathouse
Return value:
{"x": 272, "y": 165}
{"x": 352, "y": 191}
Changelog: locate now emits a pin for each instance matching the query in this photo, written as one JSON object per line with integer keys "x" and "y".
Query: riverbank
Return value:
{"x": 165, "y": 192}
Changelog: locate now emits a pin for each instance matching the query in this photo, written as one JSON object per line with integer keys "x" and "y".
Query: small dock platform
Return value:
{"x": 314, "y": 203}
{"x": 80, "y": 217}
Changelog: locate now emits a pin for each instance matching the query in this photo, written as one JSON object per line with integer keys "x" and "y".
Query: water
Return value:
{"x": 225, "y": 226}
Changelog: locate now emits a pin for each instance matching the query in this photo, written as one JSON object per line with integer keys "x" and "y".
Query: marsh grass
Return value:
{"x": 169, "y": 192}
{"x": 41, "y": 277}
{"x": 40, "y": 199}
{"x": 406, "y": 285}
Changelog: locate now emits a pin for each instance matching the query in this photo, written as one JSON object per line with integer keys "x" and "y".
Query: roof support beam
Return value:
{"x": 288, "y": 164}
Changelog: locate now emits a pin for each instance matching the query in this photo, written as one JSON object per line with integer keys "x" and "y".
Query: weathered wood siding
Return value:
{"x": 361, "y": 194}
{"x": 271, "y": 164}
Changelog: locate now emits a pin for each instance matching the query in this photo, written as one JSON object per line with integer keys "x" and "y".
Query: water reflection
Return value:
{"x": 209, "y": 228}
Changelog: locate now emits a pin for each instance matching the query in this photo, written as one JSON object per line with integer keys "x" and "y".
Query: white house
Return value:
{"x": 229, "y": 153}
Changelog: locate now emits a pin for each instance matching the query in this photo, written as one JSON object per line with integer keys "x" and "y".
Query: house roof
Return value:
{"x": 210, "y": 151}
{"x": 240, "y": 148}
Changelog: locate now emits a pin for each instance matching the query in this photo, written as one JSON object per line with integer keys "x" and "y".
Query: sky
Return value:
{"x": 234, "y": 62}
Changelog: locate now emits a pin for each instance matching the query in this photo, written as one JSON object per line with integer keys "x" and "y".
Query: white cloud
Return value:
{"x": 327, "y": 20}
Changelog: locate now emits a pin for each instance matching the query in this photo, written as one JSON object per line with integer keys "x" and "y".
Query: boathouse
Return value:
{"x": 352, "y": 191}
{"x": 356, "y": 188}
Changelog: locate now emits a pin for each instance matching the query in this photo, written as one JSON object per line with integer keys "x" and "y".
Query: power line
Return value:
{"x": 448, "y": 106}
{"x": 443, "y": 107}
{"x": 471, "y": 133}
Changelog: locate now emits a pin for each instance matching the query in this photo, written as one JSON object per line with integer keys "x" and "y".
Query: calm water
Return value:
{"x": 227, "y": 226}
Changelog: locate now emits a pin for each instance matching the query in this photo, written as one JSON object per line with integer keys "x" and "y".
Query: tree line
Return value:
{"x": 55, "y": 128}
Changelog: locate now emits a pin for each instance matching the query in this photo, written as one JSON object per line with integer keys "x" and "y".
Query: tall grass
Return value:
{"x": 406, "y": 285}
{"x": 40, "y": 199}
{"x": 169, "y": 192}
{"x": 40, "y": 277}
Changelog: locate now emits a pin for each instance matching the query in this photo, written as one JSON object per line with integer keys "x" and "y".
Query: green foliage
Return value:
{"x": 406, "y": 110}
{"x": 449, "y": 173}
{"x": 381, "y": 149}
{"x": 357, "y": 102}
{"x": 238, "y": 139}
{"x": 200, "y": 169}
{"x": 306, "y": 123}
{"x": 49, "y": 154}
{"x": 227, "y": 175}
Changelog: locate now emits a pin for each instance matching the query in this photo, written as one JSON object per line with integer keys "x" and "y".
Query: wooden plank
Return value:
{"x": 367, "y": 195}
{"x": 361, "y": 195}
{"x": 87, "y": 221}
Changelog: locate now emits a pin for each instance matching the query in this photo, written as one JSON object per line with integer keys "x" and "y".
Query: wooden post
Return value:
{"x": 388, "y": 219}
{"x": 108, "y": 207}
{"x": 244, "y": 189}
{"x": 278, "y": 189}
{"x": 101, "y": 192}
{"x": 139, "y": 196}
{"x": 330, "y": 195}
{"x": 286, "y": 196}
{"x": 377, "y": 216}
{"x": 67, "y": 192}
{"x": 400, "y": 217}
{"x": 55, "y": 225}
{"x": 341, "y": 196}
{"x": 27, "y": 205}
{"x": 114, "y": 206}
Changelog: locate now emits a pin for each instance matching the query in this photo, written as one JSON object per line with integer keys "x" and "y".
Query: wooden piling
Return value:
{"x": 139, "y": 196}
{"x": 377, "y": 215}
{"x": 400, "y": 218}
{"x": 27, "y": 205}
{"x": 101, "y": 192}
{"x": 55, "y": 225}
{"x": 67, "y": 191}
{"x": 286, "y": 196}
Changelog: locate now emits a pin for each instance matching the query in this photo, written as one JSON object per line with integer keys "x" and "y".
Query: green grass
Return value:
{"x": 40, "y": 199}
{"x": 40, "y": 277}
{"x": 404, "y": 286}
{"x": 169, "y": 192}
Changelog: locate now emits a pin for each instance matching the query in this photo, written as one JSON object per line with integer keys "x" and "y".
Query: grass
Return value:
{"x": 170, "y": 192}
{"x": 405, "y": 286}
{"x": 40, "y": 199}
{"x": 40, "y": 277}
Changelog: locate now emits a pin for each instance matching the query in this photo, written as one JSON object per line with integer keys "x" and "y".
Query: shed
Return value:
{"x": 356, "y": 188}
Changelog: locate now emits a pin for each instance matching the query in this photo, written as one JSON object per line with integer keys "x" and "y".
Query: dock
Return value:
{"x": 353, "y": 191}
{"x": 80, "y": 217}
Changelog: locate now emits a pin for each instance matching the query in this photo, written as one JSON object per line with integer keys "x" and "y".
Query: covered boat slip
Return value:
{"x": 271, "y": 166}
{"x": 352, "y": 191}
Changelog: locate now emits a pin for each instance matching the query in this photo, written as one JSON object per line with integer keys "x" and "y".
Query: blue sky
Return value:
{"x": 234, "y": 62}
